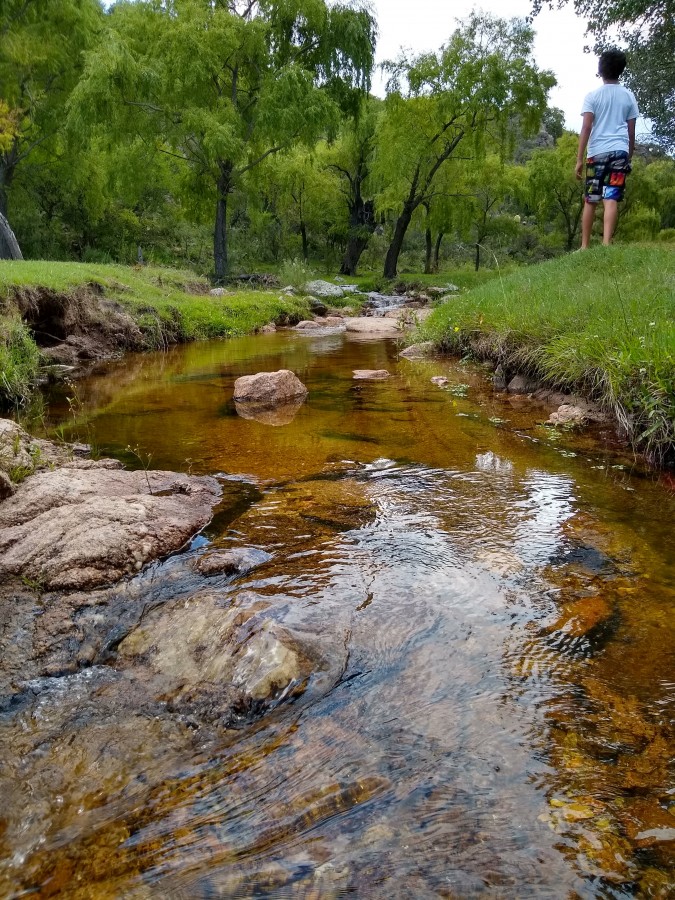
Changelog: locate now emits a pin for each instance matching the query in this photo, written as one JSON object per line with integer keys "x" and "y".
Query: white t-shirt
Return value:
{"x": 612, "y": 106}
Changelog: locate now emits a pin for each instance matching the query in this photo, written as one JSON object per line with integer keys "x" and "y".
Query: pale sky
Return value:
{"x": 421, "y": 25}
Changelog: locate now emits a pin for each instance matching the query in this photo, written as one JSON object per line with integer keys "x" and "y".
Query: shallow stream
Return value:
{"x": 486, "y": 611}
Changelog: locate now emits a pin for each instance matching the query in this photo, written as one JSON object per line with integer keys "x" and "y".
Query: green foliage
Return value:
{"x": 554, "y": 193}
{"x": 222, "y": 87}
{"x": 40, "y": 63}
{"x": 601, "y": 322}
{"x": 480, "y": 83}
{"x": 19, "y": 358}
{"x": 295, "y": 273}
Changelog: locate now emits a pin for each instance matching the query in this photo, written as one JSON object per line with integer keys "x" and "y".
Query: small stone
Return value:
{"x": 568, "y": 415}
{"x": 521, "y": 384}
{"x": 226, "y": 562}
{"x": 440, "y": 380}
{"x": 371, "y": 374}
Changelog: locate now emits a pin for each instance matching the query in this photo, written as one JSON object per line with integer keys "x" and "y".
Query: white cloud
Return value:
{"x": 421, "y": 25}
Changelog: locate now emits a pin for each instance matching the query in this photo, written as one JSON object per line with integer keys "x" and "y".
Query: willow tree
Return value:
{"x": 224, "y": 84}
{"x": 479, "y": 85}
{"x": 554, "y": 192}
{"x": 40, "y": 62}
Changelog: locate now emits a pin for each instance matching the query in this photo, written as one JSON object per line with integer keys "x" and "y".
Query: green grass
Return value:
{"x": 19, "y": 360}
{"x": 169, "y": 297}
{"x": 600, "y": 322}
{"x": 169, "y": 306}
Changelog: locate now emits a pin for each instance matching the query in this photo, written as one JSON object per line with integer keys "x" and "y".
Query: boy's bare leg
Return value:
{"x": 587, "y": 224}
{"x": 610, "y": 216}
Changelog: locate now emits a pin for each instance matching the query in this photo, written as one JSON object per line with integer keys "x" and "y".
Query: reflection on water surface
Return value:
{"x": 477, "y": 615}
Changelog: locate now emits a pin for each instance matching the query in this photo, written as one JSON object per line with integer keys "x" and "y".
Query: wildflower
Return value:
{"x": 456, "y": 327}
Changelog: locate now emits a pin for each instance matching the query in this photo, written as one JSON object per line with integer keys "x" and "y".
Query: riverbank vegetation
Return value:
{"x": 161, "y": 306}
{"x": 601, "y": 323}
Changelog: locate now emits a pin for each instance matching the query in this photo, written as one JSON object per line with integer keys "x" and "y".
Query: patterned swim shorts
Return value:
{"x": 606, "y": 176}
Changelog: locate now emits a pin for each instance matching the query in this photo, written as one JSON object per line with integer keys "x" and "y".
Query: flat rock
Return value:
{"x": 439, "y": 380}
{"x": 371, "y": 374}
{"x": 373, "y": 325}
{"x": 269, "y": 388}
{"x": 90, "y": 523}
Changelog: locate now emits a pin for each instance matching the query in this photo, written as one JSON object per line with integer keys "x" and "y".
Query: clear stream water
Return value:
{"x": 489, "y": 610}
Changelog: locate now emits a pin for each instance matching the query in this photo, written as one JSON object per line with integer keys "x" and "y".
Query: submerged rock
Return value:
{"x": 419, "y": 351}
{"x": 580, "y": 617}
{"x": 226, "y": 562}
{"x": 269, "y": 388}
{"x": 214, "y": 662}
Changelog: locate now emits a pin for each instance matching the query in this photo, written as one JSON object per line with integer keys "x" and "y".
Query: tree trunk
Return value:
{"x": 361, "y": 226}
{"x": 394, "y": 251}
{"x": 477, "y": 256}
{"x": 220, "y": 259}
{"x": 428, "y": 252}
{"x": 303, "y": 232}
{"x": 9, "y": 246}
{"x": 437, "y": 250}
{"x": 350, "y": 260}
{"x": 6, "y": 176}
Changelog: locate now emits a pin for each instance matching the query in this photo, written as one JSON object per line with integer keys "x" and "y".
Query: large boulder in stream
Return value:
{"x": 269, "y": 388}
{"x": 89, "y": 523}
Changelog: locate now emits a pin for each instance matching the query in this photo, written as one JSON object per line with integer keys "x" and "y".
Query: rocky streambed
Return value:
{"x": 406, "y": 641}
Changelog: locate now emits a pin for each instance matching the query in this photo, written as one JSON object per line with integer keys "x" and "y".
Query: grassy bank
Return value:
{"x": 169, "y": 306}
{"x": 601, "y": 323}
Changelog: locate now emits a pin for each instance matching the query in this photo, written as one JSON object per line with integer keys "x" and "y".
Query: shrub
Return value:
{"x": 19, "y": 359}
{"x": 296, "y": 273}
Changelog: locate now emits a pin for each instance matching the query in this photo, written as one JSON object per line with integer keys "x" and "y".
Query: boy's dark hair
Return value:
{"x": 612, "y": 63}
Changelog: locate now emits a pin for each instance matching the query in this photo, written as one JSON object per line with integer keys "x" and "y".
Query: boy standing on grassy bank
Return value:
{"x": 608, "y": 130}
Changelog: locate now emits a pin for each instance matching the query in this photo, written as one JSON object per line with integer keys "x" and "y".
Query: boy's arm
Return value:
{"x": 631, "y": 137}
{"x": 584, "y": 135}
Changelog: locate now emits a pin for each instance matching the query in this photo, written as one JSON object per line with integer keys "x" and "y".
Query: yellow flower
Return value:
{"x": 456, "y": 327}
